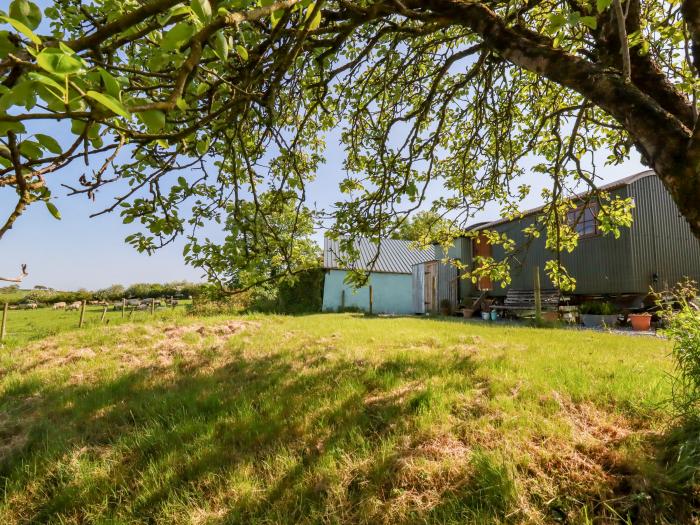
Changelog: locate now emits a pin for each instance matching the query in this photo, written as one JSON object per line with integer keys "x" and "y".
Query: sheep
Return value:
{"x": 59, "y": 306}
{"x": 75, "y": 305}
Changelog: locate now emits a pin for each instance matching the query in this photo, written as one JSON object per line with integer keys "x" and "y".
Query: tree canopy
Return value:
{"x": 209, "y": 108}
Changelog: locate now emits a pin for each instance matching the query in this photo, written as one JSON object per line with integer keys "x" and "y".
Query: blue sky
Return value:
{"x": 79, "y": 252}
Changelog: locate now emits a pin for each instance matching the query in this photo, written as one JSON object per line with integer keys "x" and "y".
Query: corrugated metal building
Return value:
{"x": 389, "y": 264}
{"x": 658, "y": 249}
{"x": 433, "y": 283}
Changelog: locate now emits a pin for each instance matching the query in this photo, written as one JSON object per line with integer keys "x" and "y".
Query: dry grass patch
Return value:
{"x": 331, "y": 419}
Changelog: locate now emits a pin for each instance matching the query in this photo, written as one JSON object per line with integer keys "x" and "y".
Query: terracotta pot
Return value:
{"x": 640, "y": 322}
{"x": 467, "y": 313}
{"x": 550, "y": 316}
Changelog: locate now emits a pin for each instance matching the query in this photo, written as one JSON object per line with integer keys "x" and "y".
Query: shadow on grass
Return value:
{"x": 274, "y": 438}
{"x": 252, "y": 440}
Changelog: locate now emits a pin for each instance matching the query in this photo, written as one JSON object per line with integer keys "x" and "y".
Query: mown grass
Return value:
{"x": 334, "y": 419}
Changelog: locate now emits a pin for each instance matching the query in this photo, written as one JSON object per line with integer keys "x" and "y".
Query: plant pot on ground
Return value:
{"x": 641, "y": 322}
{"x": 596, "y": 314}
{"x": 445, "y": 307}
{"x": 550, "y": 316}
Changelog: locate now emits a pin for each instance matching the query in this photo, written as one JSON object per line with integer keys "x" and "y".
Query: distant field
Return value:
{"x": 332, "y": 419}
{"x": 27, "y": 325}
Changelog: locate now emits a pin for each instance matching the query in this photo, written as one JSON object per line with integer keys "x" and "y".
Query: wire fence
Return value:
{"x": 22, "y": 325}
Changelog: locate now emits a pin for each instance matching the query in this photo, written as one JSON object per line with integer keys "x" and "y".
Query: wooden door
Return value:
{"x": 430, "y": 287}
{"x": 482, "y": 248}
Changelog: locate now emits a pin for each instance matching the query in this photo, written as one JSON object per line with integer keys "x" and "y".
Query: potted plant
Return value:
{"x": 598, "y": 313}
{"x": 445, "y": 307}
{"x": 641, "y": 322}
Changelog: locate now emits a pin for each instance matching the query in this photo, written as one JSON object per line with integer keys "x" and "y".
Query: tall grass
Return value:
{"x": 332, "y": 419}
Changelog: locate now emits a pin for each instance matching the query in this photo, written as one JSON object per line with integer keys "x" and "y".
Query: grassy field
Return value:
{"x": 28, "y": 325}
{"x": 333, "y": 419}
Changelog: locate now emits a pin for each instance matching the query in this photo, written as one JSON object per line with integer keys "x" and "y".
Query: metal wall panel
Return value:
{"x": 447, "y": 284}
{"x": 418, "y": 285}
{"x": 662, "y": 242}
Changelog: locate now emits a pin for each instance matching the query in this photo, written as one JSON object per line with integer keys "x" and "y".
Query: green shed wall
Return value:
{"x": 662, "y": 242}
{"x": 392, "y": 293}
{"x": 659, "y": 241}
{"x": 600, "y": 264}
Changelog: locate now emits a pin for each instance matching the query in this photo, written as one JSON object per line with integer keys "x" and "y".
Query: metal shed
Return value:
{"x": 389, "y": 264}
{"x": 434, "y": 282}
{"x": 657, "y": 250}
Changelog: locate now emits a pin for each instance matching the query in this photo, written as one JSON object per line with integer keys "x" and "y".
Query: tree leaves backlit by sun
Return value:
{"x": 209, "y": 112}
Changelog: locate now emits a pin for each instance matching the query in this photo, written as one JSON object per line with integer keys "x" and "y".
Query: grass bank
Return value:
{"x": 333, "y": 419}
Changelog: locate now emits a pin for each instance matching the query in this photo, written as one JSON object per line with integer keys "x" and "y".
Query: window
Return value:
{"x": 583, "y": 220}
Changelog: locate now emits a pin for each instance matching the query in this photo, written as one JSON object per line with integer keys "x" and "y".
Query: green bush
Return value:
{"x": 598, "y": 308}
{"x": 302, "y": 295}
{"x": 683, "y": 327}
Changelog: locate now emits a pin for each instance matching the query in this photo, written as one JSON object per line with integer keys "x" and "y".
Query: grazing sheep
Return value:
{"x": 59, "y": 306}
{"x": 74, "y": 306}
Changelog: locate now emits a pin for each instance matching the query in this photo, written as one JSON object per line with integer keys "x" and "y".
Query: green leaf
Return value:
{"x": 30, "y": 149}
{"x": 589, "y": 21}
{"x": 47, "y": 81}
{"x": 602, "y": 5}
{"x": 181, "y": 104}
{"x": 49, "y": 143}
{"x": 67, "y": 50}
{"x": 153, "y": 119}
{"x": 313, "y": 24}
{"x": 56, "y": 61}
{"x": 26, "y": 12}
{"x": 6, "y": 46}
{"x": 110, "y": 103}
{"x": 242, "y": 52}
{"x": 202, "y": 8}
{"x": 53, "y": 210}
{"x": 221, "y": 45}
{"x": 179, "y": 35}
{"x": 276, "y": 16}
{"x": 111, "y": 85}
{"x": 202, "y": 146}
{"x": 17, "y": 127}
{"x": 21, "y": 28}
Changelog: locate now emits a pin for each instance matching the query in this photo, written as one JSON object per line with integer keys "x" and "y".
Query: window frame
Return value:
{"x": 576, "y": 218}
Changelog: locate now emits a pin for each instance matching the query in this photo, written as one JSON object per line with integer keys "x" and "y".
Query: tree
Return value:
{"x": 425, "y": 227}
{"x": 218, "y": 102}
{"x": 22, "y": 274}
{"x": 267, "y": 241}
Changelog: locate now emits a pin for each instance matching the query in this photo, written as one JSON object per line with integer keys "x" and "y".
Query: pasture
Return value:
{"x": 334, "y": 418}
{"x": 27, "y": 325}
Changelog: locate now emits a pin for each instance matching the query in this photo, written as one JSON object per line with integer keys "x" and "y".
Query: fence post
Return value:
{"x": 123, "y": 306}
{"x": 104, "y": 312}
{"x": 153, "y": 306}
{"x": 3, "y": 328}
{"x": 371, "y": 300}
{"x": 82, "y": 314}
{"x": 538, "y": 295}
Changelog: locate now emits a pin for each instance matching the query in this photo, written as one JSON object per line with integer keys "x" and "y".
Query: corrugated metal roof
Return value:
{"x": 626, "y": 181}
{"x": 395, "y": 256}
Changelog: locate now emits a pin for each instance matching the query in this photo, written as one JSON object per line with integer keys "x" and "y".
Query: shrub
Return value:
{"x": 597, "y": 308}
{"x": 683, "y": 327}
{"x": 302, "y": 295}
